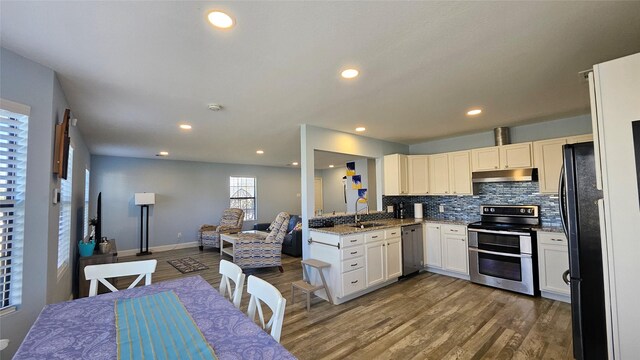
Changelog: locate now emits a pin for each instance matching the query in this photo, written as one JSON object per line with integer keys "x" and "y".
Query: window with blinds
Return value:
{"x": 64, "y": 227}
{"x": 85, "y": 228}
{"x": 242, "y": 192}
{"x": 13, "y": 166}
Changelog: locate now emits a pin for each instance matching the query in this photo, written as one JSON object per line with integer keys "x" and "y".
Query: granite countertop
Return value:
{"x": 343, "y": 229}
{"x": 553, "y": 229}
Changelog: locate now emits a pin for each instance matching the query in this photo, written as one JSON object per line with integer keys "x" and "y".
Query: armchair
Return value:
{"x": 292, "y": 243}
{"x": 257, "y": 250}
{"x": 231, "y": 222}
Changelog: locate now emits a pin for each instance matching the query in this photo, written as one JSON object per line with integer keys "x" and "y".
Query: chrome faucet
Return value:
{"x": 357, "y": 219}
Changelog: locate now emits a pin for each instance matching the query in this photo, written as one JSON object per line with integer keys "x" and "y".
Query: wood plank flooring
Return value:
{"x": 427, "y": 316}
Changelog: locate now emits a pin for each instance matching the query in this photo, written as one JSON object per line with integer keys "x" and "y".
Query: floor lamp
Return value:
{"x": 144, "y": 200}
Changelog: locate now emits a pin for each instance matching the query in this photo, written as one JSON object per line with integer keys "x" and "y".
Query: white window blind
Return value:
{"x": 64, "y": 227}
{"x": 242, "y": 192}
{"x": 13, "y": 166}
{"x": 86, "y": 204}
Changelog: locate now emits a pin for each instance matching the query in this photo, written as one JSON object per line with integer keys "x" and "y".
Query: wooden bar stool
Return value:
{"x": 306, "y": 286}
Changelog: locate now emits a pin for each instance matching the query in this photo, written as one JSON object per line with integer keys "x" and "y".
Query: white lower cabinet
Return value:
{"x": 446, "y": 250}
{"x": 358, "y": 261}
{"x": 432, "y": 246}
{"x": 553, "y": 261}
{"x": 384, "y": 260}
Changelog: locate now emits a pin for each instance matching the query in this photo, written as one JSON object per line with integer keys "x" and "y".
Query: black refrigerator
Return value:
{"x": 580, "y": 219}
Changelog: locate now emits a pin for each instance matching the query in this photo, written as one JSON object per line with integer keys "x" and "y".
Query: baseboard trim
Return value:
{"x": 446, "y": 273}
{"x": 159, "y": 248}
{"x": 557, "y": 297}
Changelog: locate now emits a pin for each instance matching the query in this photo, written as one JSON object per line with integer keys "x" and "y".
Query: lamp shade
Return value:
{"x": 144, "y": 198}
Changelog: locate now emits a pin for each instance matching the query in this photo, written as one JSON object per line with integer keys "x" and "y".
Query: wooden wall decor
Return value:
{"x": 61, "y": 150}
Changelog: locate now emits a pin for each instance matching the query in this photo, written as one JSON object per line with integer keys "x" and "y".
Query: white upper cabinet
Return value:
{"x": 579, "y": 138}
{"x": 395, "y": 174}
{"x": 418, "y": 174}
{"x": 439, "y": 174}
{"x": 547, "y": 156}
{"x": 515, "y": 156}
{"x": 485, "y": 159}
{"x": 460, "y": 173}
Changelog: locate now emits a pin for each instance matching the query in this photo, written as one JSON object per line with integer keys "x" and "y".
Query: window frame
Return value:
{"x": 13, "y": 196}
{"x": 64, "y": 235}
{"x": 254, "y": 210}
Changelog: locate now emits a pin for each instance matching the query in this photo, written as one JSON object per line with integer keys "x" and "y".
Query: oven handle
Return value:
{"x": 500, "y": 232}
{"x": 499, "y": 253}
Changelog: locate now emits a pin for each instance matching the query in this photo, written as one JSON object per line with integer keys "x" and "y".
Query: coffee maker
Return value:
{"x": 399, "y": 211}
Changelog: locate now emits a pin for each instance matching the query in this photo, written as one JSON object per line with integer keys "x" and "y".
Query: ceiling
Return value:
{"x": 132, "y": 71}
{"x": 322, "y": 159}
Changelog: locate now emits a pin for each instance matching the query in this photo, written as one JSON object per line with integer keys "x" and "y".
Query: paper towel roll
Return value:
{"x": 417, "y": 210}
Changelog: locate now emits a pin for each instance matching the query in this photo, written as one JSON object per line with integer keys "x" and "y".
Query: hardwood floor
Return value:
{"x": 427, "y": 316}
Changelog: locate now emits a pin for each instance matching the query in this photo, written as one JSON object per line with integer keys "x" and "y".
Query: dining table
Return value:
{"x": 86, "y": 328}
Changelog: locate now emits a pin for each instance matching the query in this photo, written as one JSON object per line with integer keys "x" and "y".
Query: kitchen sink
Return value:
{"x": 365, "y": 226}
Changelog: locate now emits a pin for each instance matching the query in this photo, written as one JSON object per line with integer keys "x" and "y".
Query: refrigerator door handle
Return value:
{"x": 562, "y": 192}
{"x": 565, "y": 277}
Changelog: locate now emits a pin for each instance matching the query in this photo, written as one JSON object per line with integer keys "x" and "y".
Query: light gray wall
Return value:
{"x": 332, "y": 190}
{"x": 188, "y": 194}
{"x": 26, "y": 82}
{"x": 576, "y": 125}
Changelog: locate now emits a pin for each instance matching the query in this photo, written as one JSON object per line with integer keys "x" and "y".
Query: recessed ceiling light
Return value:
{"x": 294, "y": 163}
{"x": 349, "y": 73}
{"x": 185, "y": 126}
{"x": 331, "y": 166}
{"x": 473, "y": 112}
{"x": 163, "y": 153}
{"x": 260, "y": 152}
{"x": 360, "y": 129}
{"x": 220, "y": 20}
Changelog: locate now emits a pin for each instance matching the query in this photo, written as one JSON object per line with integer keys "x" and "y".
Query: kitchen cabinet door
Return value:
{"x": 579, "y": 138}
{"x": 485, "y": 159}
{"x": 418, "y": 174}
{"x": 515, "y": 156}
{"x": 393, "y": 263}
{"x": 547, "y": 157}
{"x": 455, "y": 253}
{"x": 439, "y": 174}
{"x": 395, "y": 169}
{"x": 432, "y": 246}
{"x": 553, "y": 261}
{"x": 460, "y": 173}
{"x": 375, "y": 261}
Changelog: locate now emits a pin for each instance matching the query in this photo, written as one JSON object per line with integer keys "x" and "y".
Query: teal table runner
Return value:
{"x": 158, "y": 327}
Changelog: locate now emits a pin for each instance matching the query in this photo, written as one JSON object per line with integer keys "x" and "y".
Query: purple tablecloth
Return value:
{"x": 85, "y": 328}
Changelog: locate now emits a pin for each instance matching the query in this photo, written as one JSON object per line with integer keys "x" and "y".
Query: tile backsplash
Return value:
{"x": 467, "y": 207}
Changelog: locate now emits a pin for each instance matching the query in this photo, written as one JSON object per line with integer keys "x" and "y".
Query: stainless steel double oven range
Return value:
{"x": 502, "y": 248}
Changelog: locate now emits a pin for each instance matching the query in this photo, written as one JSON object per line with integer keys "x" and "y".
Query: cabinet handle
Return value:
{"x": 565, "y": 277}
{"x": 382, "y": 244}
{"x": 353, "y": 282}
{"x": 506, "y": 166}
{"x": 454, "y": 230}
{"x": 353, "y": 240}
{"x": 374, "y": 237}
{"x": 556, "y": 239}
{"x": 354, "y": 252}
{"x": 446, "y": 192}
{"x": 495, "y": 167}
{"x": 356, "y": 264}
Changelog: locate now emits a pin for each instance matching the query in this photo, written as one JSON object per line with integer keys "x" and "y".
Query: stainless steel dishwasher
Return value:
{"x": 411, "y": 249}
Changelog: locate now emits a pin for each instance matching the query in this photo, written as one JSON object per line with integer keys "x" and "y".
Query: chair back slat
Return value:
{"x": 233, "y": 272}
{"x": 99, "y": 273}
{"x": 263, "y": 292}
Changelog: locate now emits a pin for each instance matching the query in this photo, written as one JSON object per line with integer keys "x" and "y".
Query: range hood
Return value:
{"x": 529, "y": 174}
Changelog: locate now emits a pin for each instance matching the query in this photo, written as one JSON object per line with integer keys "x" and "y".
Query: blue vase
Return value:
{"x": 86, "y": 249}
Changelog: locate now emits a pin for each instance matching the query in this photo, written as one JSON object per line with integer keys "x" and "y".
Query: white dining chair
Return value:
{"x": 231, "y": 272}
{"x": 262, "y": 291}
{"x": 99, "y": 273}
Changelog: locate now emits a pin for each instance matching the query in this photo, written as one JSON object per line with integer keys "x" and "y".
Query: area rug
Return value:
{"x": 187, "y": 265}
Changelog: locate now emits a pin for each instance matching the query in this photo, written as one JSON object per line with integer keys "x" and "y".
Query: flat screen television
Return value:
{"x": 99, "y": 218}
